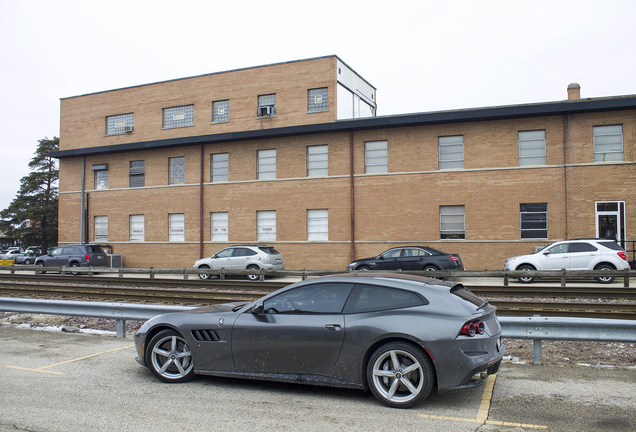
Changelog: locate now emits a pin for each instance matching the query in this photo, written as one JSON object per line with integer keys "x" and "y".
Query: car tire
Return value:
{"x": 27, "y": 262}
{"x": 169, "y": 358}
{"x": 400, "y": 375}
{"x": 74, "y": 265}
{"x": 204, "y": 276}
{"x": 605, "y": 279}
{"x": 431, "y": 267}
{"x": 526, "y": 279}
{"x": 253, "y": 277}
{"x": 41, "y": 264}
{"x": 363, "y": 268}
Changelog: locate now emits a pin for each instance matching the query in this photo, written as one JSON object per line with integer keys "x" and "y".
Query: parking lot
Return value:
{"x": 54, "y": 381}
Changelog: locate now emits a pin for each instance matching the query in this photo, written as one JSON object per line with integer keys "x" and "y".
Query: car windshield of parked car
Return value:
{"x": 377, "y": 298}
{"x": 325, "y": 298}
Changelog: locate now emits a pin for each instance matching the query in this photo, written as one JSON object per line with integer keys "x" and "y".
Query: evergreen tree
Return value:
{"x": 31, "y": 217}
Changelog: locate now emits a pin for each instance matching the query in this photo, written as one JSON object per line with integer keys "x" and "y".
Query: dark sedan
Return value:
{"x": 409, "y": 258}
{"x": 398, "y": 335}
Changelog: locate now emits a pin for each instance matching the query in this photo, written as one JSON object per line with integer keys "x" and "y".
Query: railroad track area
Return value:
{"x": 609, "y": 302}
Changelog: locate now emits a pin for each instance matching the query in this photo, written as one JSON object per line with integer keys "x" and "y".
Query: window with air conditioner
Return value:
{"x": 267, "y": 105}
{"x": 119, "y": 124}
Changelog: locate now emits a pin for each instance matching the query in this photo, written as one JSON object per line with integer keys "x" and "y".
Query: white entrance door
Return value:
{"x": 610, "y": 221}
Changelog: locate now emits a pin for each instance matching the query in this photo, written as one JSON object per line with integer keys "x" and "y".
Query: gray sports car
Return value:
{"x": 398, "y": 335}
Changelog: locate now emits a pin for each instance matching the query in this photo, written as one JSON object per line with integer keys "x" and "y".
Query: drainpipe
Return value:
{"x": 201, "y": 207}
{"x": 82, "y": 201}
{"x": 352, "y": 194}
{"x": 566, "y": 138}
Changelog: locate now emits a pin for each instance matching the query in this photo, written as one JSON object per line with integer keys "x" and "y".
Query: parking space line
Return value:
{"x": 484, "y": 409}
{"x": 42, "y": 368}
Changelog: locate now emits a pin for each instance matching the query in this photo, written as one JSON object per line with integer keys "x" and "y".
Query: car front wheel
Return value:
{"x": 400, "y": 375}
{"x": 204, "y": 276}
{"x": 169, "y": 358}
{"x": 526, "y": 279}
{"x": 74, "y": 265}
{"x": 41, "y": 265}
{"x": 604, "y": 279}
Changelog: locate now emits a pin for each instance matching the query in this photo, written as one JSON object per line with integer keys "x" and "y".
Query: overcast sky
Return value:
{"x": 421, "y": 55}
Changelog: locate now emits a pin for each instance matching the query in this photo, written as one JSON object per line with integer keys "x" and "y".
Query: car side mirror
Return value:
{"x": 258, "y": 308}
{"x": 546, "y": 253}
{"x": 380, "y": 257}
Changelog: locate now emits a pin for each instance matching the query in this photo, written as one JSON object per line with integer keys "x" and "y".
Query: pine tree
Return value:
{"x": 31, "y": 217}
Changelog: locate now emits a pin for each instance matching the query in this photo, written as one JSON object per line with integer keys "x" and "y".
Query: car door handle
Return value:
{"x": 335, "y": 327}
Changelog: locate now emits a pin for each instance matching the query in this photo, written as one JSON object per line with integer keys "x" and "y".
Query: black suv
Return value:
{"x": 75, "y": 255}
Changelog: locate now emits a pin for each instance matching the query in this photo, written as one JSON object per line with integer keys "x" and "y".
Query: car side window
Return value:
{"x": 414, "y": 252}
{"x": 225, "y": 253}
{"x": 393, "y": 253}
{"x": 77, "y": 251}
{"x": 319, "y": 298}
{"x": 67, "y": 251}
{"x": 56, "y": 252}
{"x": 559, "y": 249}
{"x": 582, "y": 247}
{"x": 238, "y": 252}
{"x": 371, "y": 298}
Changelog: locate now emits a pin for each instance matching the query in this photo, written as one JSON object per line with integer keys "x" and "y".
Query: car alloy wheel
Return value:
{"x": 41, "y": 264}
{"x": 604, "y": 279}
{"x": 168, "y": 357}
{"x": 253, "y": 277}
{"x": 74, "y": 265}
{"x": 525, "y": 279}
{"x": 204, "y": 276}
{"x": 400, "y": 375}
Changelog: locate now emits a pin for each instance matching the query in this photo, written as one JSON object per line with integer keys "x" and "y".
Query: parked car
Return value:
{"x": 27, "y": 258}
{"x": 37, "y": 250}
{"x": 578, "y": 254}
{"x": 398, "y": 335}
{"x": 74, "y": 255}
{"x": 11, "y": 254}
{"x": 243, "y": 257}
{"x": 409, "y": 258}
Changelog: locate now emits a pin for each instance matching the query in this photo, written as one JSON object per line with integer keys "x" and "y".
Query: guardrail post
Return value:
{"x": 626, "y": 280}
{"x": 222, "y": 274}
{"x": 90, "y": 270}
{"x": 121, "y": 272}
{"x": 13, "y": 269}
{"x": 537, "y": 352}
{"x": 185, "y": 273}
{"x": 505, "y": 281}
{"x": 562, "y": 277}
{"x": 304, "y": 274}
{"x": 120, "y": 326}
{"x": 152, "y": 273}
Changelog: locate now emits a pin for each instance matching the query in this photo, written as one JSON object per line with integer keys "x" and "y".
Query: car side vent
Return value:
{"x": 205, "y": 335}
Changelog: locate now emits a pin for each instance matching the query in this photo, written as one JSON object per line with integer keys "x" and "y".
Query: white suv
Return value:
{"x": 242, "y": 257}
{"x": 579, "y": 254}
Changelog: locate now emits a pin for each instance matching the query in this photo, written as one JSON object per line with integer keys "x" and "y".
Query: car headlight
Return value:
{"x": 352, "y": 265}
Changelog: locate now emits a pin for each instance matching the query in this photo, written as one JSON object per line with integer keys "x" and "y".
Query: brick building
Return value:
{"x": 293, "y": 155}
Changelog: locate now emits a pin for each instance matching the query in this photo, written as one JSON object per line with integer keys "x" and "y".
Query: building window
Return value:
{"x": 317, "y": 161}
{"x": 317, "y": 100}
{"x": 266, "y": 164}
{"x": 451, "y": 152}
{"x": 221, "y": 111}
{"x": 136, "y": 174}
{"x": 534, "y": 220}
{"x": 219, "y": 227}
{"x": 101, "y": 176}
{"x": 318, "y": 225}
{"x": 267, "y": 105}
{"x": 532, "y": 148}
{"x": 177, "y": 171}
{"x": 451, "y": 222}
{"x": 101, "y": 228}
{"x": 376, "y": 158}
{"x": 136, "y": 228}
{"x": 608, "y": 143}
{"x": 119, "y": 124}
{"x": 176, "y": 117}
{"x": 266, "y": 225}
{"x": 219, "y": 167}
{"x": 176, "y": 227}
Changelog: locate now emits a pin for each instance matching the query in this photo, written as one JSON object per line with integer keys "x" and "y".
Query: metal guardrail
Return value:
{"x": 534, "y": 328}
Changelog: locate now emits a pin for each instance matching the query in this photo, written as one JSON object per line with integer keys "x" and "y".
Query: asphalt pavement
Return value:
{"x": 53, "y": 381}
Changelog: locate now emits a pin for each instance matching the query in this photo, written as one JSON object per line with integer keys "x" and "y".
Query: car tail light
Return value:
{"x": 622, "y": 255}
{"x": 453, "y": 258}
{"x": 87, "y": 257}
{"x": 472, "y": 328}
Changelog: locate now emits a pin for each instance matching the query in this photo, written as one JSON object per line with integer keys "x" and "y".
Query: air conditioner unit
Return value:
{"x": 128, "y": 129}
{"x": 265, "y": 111}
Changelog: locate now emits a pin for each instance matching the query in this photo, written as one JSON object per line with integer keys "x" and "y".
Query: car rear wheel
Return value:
{"x": 363, "y": 268}
{"x": 526, "y": 279}
{"x": 604, "y": 279}
{"x": 400, "y": 375}
{"x": 27, "y": 262}
{"x": 41, "y": 264}
{"x": 169, "y": 358}
{"x": 204, "y": 276}
{"x": 253, "y": 277}
{"x": 74, "y": 265}
{"x": 429, "y": 268}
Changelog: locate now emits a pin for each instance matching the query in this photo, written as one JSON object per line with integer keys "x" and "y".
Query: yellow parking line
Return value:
{"x": 484, "y": 409}
{"x": 41, "y": 369}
